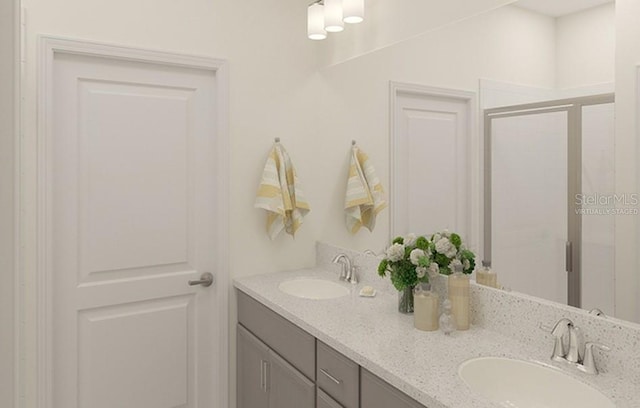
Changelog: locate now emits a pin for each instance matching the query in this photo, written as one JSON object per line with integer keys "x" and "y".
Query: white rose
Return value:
{"x": 395, "y": 252}
{"x": 446, "y": 233}
{"x": 436, "y": 237}
{"x": 434, "y": 269}
{"x": 409, "y": 240}
{"x": 421, "y": 271}
{"x": 445, "y": 247}
{"x": 454, "y": 263}
{"x": 415, "y": 256}
{"x": 466, "y": 264}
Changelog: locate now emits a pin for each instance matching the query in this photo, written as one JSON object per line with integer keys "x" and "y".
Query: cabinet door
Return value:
{"x": 252, "y": 370}
{"x": 325, "y": 401}
{"x": 376, "y": 393}
{"x": 288, "y": 388}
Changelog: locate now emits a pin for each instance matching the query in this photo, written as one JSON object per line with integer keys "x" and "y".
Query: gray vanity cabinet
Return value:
{"x": 279, "y": 365}
{"x": 376, "y": 393}
{"x": 265, "y": 380}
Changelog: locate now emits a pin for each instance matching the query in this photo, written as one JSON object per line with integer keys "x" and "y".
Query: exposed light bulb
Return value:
{"x": 333, "y": 22}
{"x": 315, "y": 22}
{"x": 353, "y": 11}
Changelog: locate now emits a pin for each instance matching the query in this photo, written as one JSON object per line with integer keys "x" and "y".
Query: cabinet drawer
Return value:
{"x": 337, "y": 376}
{"x": 288, "y": 340}
{"x": 377, "y": 393}
{"x": 325, "y": 401}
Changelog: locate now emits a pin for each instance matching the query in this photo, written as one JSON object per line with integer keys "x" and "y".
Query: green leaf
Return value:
{"x": 456, "y": 240}
{"x": 422, "y": 243}
{"x": 382, "y": 267}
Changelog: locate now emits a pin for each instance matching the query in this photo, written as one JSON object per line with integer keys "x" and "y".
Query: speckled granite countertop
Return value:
{"x": 424, "y": 365}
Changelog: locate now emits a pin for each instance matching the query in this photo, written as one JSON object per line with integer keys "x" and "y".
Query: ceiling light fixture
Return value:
{"x": 330, "y": 15}
{"x": 353, "y": 11}
{"x": 315, "y": 21}
{"x": 333, "y": 22}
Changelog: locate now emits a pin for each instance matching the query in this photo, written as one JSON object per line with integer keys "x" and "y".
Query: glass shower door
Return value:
{"x": 528, "y": 163}
{"x": 597, "y": 201}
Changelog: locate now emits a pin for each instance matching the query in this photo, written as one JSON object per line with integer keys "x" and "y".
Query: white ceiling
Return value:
{"x": 557, "y": 8}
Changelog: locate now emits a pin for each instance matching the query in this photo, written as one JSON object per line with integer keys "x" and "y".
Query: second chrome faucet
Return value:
{"x": 576, "y": 352}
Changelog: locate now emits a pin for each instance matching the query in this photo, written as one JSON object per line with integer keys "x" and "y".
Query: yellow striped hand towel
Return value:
{"x": 280, "y": 194}
{"x": 365, "y": 196}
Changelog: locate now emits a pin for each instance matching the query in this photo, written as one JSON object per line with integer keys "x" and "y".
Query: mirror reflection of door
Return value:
{"x": 545, "y": 164}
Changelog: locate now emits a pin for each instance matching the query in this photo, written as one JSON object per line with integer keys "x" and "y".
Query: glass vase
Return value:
{"x": 405, "y": 300}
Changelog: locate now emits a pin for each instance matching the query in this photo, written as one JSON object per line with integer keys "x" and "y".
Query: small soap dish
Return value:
{"x": 367, "y": 291}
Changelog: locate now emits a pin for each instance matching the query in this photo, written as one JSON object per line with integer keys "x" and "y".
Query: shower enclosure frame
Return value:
{"x": 573, "y": 108}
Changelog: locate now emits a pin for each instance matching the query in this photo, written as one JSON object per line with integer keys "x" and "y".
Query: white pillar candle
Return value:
{"x": 425, "y": 311}
{"x": 459, "y": 297}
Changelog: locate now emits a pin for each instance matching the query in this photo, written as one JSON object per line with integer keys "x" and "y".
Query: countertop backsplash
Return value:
{"x": 519, "y": 316}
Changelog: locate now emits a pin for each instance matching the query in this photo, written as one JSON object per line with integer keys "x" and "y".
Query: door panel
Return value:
{"x": 136, "y": 340}
{"x": 252, "y": 364}
{"x": 529, "y": 203}
{"x": 132, "y": 212}
{"x": 129, "y": 193}
{"x": 376, "y": 393}
{"x": 288, "y": 388}
{"x": 430, "y": 142}
{"x": 325, "y": 401}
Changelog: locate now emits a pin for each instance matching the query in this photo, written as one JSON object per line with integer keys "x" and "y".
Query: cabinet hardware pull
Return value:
{"x": 263, "y": 375}
{"x": 332, "y": 378}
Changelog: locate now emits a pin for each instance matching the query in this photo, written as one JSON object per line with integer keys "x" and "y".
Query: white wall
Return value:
{"x": 627, "y": 153}
{"x": 7, "y": 64}
{"x": 586, "y": 43}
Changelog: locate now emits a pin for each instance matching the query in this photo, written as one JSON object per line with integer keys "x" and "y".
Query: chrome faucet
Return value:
{"x": 348, "y": 272}
{"x": 577, "y": 354}
{"x": 588, "y": 364}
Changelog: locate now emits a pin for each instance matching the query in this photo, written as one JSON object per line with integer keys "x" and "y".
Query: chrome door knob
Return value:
{"x": 206, "y": 279}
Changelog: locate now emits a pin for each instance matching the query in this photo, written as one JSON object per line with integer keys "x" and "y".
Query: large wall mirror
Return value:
{"x": 539, "y": 177}
{"x": 554, "y": 60}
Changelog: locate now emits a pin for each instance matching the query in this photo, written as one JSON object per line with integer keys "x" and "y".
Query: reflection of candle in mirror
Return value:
{"x": 425, "y": 311}
{"x": 459, "y": 297}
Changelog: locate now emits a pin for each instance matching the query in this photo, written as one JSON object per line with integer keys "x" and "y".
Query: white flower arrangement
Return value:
{"x": 413, "y": 259}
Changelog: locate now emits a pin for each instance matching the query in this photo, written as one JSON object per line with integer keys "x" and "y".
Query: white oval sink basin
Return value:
{"x": 522, "y": 384}
{"x": 309, "y": 288}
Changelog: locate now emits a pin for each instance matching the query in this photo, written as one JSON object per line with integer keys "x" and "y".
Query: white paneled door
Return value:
{"x": 431, "y": 136}
{"x": 131, "y": 219}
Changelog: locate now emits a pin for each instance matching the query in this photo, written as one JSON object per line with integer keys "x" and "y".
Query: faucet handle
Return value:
{"x": 353, "y": 275}
{"x": 562, "y": 327}
{"x": 589, "y": 365}
{"x": 575, "y": 354}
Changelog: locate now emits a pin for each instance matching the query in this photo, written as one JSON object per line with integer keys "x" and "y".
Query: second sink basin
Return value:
{"x": 521, "y": 384}
{"x": 311, "y": 288}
